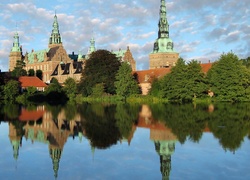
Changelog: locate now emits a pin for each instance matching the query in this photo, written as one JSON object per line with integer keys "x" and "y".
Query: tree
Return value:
{"x": 229, "y": 79}
{"x": 11, "y": 90}
{"x": 173, "y": 85}
{"x": 101, "y": 67}
{"x": 195, "y": 81}
{"x": 98, "y": 90}
{"x": 185, "y": 82}
{"x": 156, "y": 87}
{"x": 39, "y": 74}
{"x": 54, "y": 86}
{"x": 70, "y": 88}
{"x": 31, "y": 72}
{"x": 18, "y": 70}
{"x": 125, "y": 83}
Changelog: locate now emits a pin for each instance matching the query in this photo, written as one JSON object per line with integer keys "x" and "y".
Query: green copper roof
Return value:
{"x": 39, "y": 55}
{"x": 16, "y": 45}
{"x": 163, "y": 43}
{"x": 119, "y": 54}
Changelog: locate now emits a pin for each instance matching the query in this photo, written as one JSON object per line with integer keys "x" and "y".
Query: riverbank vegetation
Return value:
{"x": 106, "y": 79}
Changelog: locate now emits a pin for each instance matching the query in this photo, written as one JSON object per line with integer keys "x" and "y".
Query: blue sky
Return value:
{"x": 200, "y": 30}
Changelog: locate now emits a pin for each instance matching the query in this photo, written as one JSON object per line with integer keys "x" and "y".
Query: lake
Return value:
{"x": 100, "y": 141}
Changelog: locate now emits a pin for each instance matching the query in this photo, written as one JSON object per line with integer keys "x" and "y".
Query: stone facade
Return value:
{"x": 163, "y": 60}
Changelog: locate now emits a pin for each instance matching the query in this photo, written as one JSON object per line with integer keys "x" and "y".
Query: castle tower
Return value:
{"x": 91, "y": 48}
{"x": 128, "y": 57}
{"x": 55, "y": 38}
{"x": 163, "y": 54}
{"x": 15, "y": 53}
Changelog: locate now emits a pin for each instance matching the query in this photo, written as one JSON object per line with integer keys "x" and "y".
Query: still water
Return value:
{"x": 95, "y": 141}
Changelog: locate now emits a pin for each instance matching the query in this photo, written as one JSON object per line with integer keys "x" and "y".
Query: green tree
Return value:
{"x": 196, "y": 84}
{"x": 11, "y": 90}
{"x": 18, "y": 70}
{"x": 229, "y": 79}
{"x": 39, "y": 74}
{"x": 31, "y": 72}
{"x": 156, "y": 87}
{"x": 98, "y": 90}
{"x": 55, "y": 93}
{"x": 173, "y": 84}
{"x": 246, "y": 62}
{"x": 70, "y": 88}
{"x": 125, "y": 83}
{"x": 101, "y": 67}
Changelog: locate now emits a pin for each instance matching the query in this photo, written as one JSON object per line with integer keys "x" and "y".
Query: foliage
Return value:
{"x": 31, "y": 90}
{"x": 98, "y": 90}
{"x": 54, "y": 86}
{"x": 246, "y": 62}
{"x": 125, "y": 83}
{"x": 184, "y": 83}
{"x": 54, "y": 93}
{"x": 156, "y": 87}
{"x": 101, "y": 67}
{"x": 11, "y": 90}
{"x": 39, "y": 74}
{"x": 70, "y": 88}
{"x": 18, "y": 70}
{"x": 229, "y": 79}
{"x": 31, "y": 72}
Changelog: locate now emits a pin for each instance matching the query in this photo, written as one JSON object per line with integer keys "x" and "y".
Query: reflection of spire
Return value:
{"x": 15, "y": 146}
{"x": 80, "y": 135}
{"x": 165, "y": 149}
{"x": 55, "y": 155}
{"x": 93, "y": 151}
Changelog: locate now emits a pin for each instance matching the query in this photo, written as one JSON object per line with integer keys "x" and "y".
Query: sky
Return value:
{"x": 201, "y": 30}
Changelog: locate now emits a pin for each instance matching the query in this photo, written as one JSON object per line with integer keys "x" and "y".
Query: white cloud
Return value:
{"x": 196, "y": 27}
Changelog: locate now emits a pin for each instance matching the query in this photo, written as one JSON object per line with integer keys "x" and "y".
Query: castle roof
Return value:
{"x": 29, "y": 81}
{"x": 147, "y": 76}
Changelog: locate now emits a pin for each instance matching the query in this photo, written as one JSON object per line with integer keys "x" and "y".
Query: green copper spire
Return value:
{"x": 92, "y": 45}
{"x": 163, "y": 22}
{"x": 163, "y": 43}
{"x": 55, "y": 37}
{"x": 91, "y": 48}
{"x": 16, "y": 46}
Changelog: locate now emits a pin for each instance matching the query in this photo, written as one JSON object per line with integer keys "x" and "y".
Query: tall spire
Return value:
{"x": 163, "y": 43}
{"x": 163, "y": 22}
{"x": 16, "y": 45}
{"x": 55, "y": 37}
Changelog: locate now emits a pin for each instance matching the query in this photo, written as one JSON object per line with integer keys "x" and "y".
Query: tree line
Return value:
{"x": 104, "y": 76}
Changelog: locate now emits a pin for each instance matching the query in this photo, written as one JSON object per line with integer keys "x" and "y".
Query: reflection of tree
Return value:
{"x": 126, "y": 115}
{"x": 230, "y": 124}
{"x": 101, "y": 130}
{"x": 12, "y": 111}
{"x": 55, "y": 110}
{"x": 70, "y": 111}
{"x": 186, "y": 121}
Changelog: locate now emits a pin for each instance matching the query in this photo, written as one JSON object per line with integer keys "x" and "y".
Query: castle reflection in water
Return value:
{"x": 41, "y": 125}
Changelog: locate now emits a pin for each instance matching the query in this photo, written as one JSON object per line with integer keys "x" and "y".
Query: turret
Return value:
{"x": 15, "y": 53}
{"x": 55, "y": 38}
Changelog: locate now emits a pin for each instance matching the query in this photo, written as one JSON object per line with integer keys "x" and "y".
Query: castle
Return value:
{"x": 55, "y": 62}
